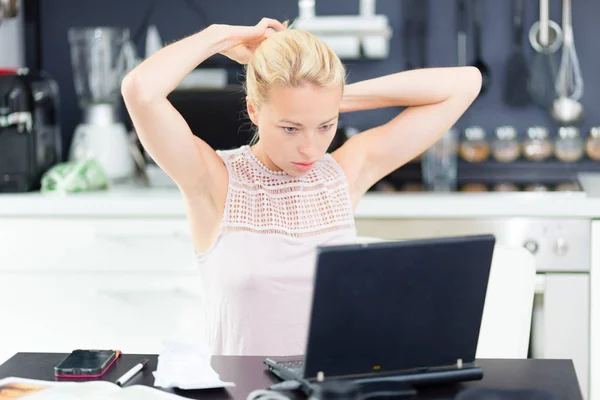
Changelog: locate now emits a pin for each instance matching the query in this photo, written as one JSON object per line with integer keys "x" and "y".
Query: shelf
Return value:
{"x": 518, "y": 172}
{"x": 550, "y": 171}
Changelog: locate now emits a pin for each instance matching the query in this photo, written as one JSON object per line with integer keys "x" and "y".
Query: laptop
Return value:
{"x": 405, "y": 310}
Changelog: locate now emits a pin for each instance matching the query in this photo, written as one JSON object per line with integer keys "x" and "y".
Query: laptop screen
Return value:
{"x": 393, "y": 306}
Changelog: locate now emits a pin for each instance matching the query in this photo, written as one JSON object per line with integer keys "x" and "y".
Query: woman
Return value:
{"x": 258, "y": 212}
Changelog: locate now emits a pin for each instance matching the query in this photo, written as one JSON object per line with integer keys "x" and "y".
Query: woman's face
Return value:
{"x": 296, "y": 126}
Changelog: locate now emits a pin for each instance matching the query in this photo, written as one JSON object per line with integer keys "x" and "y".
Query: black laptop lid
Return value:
{"x": 393, "y": 306}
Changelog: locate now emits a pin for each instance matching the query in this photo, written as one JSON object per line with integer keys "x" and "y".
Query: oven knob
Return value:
{"x": 560, "y": 247}
{"x": 531, "y": 245}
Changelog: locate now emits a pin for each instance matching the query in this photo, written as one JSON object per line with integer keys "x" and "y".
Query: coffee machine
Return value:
{"x": 30, "y": 141}
{"x": 100, "y": 58}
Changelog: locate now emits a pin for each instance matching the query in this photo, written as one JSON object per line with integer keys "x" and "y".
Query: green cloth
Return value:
{"x": 74, "y": 177}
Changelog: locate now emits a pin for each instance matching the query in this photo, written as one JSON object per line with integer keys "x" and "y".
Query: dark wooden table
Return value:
{"x": 249, "y": 373}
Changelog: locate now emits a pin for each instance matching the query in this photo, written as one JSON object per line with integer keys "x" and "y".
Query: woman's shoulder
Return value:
{"x": 239, "y": 163}
{"x": 231, "y": 154}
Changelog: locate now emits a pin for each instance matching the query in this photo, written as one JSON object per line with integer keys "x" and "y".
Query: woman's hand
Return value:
{"x": 243, "y": 40}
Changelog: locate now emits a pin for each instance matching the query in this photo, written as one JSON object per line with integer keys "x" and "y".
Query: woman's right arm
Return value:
{"x": 189, "y": 161}
{"x": 194, "y": 166}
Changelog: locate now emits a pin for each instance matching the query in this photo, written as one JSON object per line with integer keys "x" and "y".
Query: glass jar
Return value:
{"x": 474, "y": 187}
{"x": 569, "y": 146}
{"x": 505, "y": 187}
{"x": 412, "y": 187}
{"x": 567, "y": 187}
{"x": 536, "y": 187}
{"x": 384, "y": 186}
{"x": 592, "y": 145}
{"x": 537, "y": 146}
{"x": 474, "y": 148}
{"x": 505, "y": 147}
{"x": 439, "y": 164}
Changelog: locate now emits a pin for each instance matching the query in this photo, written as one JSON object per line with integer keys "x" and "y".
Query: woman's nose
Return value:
{"x": 308, "y": 146}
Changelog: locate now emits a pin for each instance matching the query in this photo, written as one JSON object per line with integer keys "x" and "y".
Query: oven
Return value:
{"x": 562, "y": 249}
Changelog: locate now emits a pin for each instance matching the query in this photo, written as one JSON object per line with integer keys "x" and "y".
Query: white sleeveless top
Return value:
{"x": 258, "y": 274}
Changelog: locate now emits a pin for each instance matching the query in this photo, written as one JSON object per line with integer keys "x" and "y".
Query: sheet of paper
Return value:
{"x": 17, "y": 388}
{"x": 186, "y": 366}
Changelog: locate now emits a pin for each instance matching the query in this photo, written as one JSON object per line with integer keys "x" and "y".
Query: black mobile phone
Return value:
{"x": 86, "y": 363}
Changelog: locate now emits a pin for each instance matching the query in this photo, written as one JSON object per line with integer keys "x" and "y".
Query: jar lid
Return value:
{"x": 506, "y": 132}
{"x": 537, "y": 133}
{"x": 595, "y": 132}
{"x": 568, "y": 132}
{"x": 475, "y": 133}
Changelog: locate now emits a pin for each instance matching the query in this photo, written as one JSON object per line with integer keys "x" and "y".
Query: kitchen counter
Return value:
{"x": 138, "y": 233}
{"x": 137, "y": 201}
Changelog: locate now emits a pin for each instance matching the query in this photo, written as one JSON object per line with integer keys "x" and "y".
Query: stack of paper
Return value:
{"x": 186, "y": 366}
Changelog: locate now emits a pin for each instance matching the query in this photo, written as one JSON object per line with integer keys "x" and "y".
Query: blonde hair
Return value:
{"x": 291, "y": 58}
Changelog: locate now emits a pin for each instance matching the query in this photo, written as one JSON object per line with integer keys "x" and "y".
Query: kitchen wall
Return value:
{"x": 175, "y": 19}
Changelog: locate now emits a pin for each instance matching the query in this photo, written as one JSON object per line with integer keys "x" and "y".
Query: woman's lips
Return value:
{"x": 304, "y": 166}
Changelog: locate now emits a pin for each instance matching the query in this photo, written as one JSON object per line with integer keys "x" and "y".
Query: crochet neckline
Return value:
{"x": 262, "y": 166}
{"x": 264, "y": 201}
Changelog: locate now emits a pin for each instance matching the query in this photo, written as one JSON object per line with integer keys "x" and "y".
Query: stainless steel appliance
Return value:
{"x": 561, "y": 247}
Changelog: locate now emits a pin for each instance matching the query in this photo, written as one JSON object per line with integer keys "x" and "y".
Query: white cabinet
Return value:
{"x": 95, "y": 244}
{"x": 124, "y": 284}
{"x": 595, "y": 313}
{"x": 561, "y": 328}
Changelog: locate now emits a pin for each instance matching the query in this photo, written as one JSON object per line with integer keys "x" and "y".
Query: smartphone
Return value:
{"x": 86, "y": 363}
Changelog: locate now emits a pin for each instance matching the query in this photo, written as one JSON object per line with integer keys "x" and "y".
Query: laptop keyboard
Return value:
{"x": 295, "y": 366}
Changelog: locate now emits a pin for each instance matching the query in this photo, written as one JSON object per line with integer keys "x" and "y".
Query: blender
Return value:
{"x": 100, "y": 58}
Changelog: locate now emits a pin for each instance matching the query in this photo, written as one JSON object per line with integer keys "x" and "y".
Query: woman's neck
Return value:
{"x": 259, "y": 152}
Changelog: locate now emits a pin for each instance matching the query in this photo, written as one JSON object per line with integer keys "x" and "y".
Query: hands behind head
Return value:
{"x": 243, "y": 40}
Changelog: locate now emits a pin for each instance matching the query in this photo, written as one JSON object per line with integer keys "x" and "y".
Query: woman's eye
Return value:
{"x": 289, "y": 129}
{"x": 326, "y": 127}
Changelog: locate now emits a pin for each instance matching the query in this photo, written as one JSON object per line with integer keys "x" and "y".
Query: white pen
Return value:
{"x": 129, "y": 374}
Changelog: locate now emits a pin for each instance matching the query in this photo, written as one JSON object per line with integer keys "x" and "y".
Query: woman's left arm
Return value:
{"x": 435, "y": 97}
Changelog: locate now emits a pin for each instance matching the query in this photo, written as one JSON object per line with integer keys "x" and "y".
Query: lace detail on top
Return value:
{"x": 264, "y": 201}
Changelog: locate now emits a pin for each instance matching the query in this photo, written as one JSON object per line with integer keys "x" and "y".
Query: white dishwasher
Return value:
{"x": 561, "y": 247}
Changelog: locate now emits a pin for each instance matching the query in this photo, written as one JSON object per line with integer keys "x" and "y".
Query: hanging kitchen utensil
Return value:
{"x": 422, "y": 27}
{"x": 545, "y": 37}
{"x": 408, "y": 42}
{"x": 461, "y": 32}
{"x": 478, "y": 62}
{"x": 567, "y": 109}
{"x": 517, "y": 68}
{"x": 415, "y": 16}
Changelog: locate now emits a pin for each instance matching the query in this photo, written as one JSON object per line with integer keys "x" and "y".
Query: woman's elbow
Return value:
{"x": 133, "y": 90}
{"x": 469, "y": 83}
{"x": 129, "y": 86}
